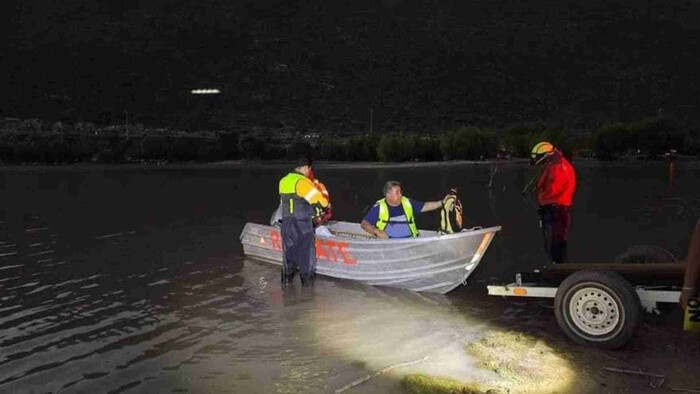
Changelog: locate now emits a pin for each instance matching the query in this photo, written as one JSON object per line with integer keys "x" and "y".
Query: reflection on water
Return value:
{"x": 219, "y": 325}
{"x": 118, "y": 280}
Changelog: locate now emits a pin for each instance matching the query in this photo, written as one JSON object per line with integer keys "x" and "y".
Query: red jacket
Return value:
{"x": 557, "y": 183}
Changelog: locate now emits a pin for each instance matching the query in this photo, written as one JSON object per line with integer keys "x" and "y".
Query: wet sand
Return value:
{"x": 660, "y": 347}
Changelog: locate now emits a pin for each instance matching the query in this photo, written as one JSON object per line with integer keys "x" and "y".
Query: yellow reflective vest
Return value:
{"x": 298, "y": 195}
{"x": 292, "y": 204}
{"x": 383, "y": 218}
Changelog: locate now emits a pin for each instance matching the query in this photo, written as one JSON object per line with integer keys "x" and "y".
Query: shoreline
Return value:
{"x": 326, "y": 164}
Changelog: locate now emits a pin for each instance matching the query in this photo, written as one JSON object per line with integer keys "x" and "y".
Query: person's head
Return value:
{"x": 540, "y": 152}
{"x": 304, "y": 164}
{"x": 393, "y": 193}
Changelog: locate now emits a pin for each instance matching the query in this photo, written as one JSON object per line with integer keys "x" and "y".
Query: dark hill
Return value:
{"x": 418, "y": 65}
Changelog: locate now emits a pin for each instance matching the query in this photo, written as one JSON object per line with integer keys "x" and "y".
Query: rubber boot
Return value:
{"x": 307, "y": 280}
{"x": 287, "y": 279}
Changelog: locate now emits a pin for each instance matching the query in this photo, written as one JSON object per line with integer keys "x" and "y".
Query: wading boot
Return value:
{"x": 307, "y": 281}
{"x": 287, "y": 279}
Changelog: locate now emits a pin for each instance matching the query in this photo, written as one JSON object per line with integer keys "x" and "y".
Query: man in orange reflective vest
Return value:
{"x": 299, "y": 200}
{"x": 555, "y": 189}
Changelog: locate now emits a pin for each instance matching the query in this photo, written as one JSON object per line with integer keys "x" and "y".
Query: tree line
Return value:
{"x": 31, "y": 141}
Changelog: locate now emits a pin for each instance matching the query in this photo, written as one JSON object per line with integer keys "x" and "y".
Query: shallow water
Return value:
{"x": 133, "y": 279}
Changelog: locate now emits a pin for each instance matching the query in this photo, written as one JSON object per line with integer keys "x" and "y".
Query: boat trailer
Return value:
{"x": 600, "y": 304}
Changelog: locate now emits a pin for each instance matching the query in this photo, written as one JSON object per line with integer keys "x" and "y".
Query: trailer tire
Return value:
{"x": 597, "y": 308}
{"x": 645, "y": 254}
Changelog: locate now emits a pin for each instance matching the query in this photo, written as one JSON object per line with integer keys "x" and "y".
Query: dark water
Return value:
{"x": 133, "y": 279}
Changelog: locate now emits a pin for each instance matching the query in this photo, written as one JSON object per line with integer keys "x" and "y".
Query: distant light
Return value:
{"x": 205, "y": 91}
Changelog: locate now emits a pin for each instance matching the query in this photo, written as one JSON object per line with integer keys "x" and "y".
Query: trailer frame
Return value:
{"x": 599, "y": 304}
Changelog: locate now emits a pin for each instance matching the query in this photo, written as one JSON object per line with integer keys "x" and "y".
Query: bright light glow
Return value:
{"x": 392, "y": 327}
{"x": 342, "y": 333}
{"x": 205, "y": 91}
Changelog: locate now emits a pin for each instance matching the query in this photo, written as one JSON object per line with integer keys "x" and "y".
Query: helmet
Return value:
{"x": 540, "y": 151}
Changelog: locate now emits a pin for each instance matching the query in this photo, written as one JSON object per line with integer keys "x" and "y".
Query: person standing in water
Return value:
{"x": 555, "y": 188}
{"x": 299, "y": 199}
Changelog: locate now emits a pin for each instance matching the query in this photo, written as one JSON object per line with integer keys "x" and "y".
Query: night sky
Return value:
{"x": 417, "y": 65}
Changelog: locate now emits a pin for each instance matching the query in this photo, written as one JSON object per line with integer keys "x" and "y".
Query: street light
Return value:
{"x": 205, "y": 91}
{"x": 205, "y": 103}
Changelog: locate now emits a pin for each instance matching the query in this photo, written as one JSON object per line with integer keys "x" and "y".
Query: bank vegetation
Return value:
{"x": 34, "y": 141}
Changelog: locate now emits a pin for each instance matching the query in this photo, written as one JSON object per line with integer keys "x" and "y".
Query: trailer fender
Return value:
{"x": 645, "y": 254}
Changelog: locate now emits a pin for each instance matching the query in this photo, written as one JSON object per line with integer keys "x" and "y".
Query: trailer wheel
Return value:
{"x": 645, "y": 254}
{"x": 597, "y": 308}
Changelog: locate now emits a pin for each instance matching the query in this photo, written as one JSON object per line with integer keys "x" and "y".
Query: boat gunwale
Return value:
{"x": 439, "y": 237}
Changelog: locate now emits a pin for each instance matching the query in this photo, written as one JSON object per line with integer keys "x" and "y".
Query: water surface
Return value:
{"x": 132, "y": 279}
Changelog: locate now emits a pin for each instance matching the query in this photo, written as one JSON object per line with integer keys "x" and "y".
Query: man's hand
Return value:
{"x": 374, "y": 231}
{"x": 380, "y": 234}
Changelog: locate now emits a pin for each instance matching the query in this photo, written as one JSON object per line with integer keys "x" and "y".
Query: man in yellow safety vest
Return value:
{"x": 300, "y": 201}
{"x": 393, "y": 215}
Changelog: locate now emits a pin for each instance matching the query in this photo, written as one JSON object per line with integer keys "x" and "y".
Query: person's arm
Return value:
{"x": 542, "y": 179}
{"x": 372, "y": 230}
{"x": 433, "y": 205}
{"x": 543, "y": 187}
{"x": 691, "y": 279}
{"x": 305, "y": 189}
{"x": 322, "y": 188}
{"x": 371, "y": 217}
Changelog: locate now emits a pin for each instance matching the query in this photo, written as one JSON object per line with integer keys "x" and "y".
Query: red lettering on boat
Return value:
{"x": 326, "y": 249}
{"x": 347, "y": 257}
{"x": 330, "y": 245}
{"x": 275, "y": 238}
{"x": 321, "y": 252}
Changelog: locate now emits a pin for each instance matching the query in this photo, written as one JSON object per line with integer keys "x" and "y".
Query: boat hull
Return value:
{"x": 431, "y": 262}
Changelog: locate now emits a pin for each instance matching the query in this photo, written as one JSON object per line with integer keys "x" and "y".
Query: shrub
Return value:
{"x": 332, "y": 149}
{"x": 252, "y": 146}
{"x": 611, "y": 140}
{"x": 468, "y": 143}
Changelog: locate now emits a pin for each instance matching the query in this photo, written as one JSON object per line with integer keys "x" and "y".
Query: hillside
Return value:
{"x": 417, "y": 65}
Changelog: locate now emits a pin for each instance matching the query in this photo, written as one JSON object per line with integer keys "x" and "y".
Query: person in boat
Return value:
{"x": 392, "y": 216}
{"x": 300, "y": 201}
{"x": 555, "y": 189}
{"x": 691, "y": 280}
